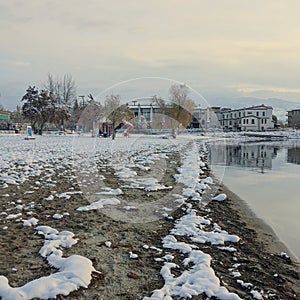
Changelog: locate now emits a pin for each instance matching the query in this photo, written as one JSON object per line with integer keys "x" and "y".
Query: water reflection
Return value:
{"x": 248, "y": 155}
{"x": 293, "y": 155}
{"x": 273, "y": 195}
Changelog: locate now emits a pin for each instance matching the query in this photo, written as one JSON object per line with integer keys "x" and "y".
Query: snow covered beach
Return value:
{"x": 128, "y": 215}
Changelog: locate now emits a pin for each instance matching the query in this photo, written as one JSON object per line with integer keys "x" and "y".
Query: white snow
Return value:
{"x": 100, "y": 204}
{"x": 192, "y": 225}
{"x": 74, "y": 271}
{"x": 30, "y": 222}
{"x": 57, "y": 216}
{"x": 108, "y": 244}
{"x": 256, "y": 295}
{"x": 109, "y": 191}
{"x": 134, "y": 165}
{"x": 246, "y": 285}
{"x": 133, "y": 255}
{"x": 49, "y": 198}
{"x": 220, "y": 197}
{"x": 13, "y": 216}
{"x": 197, "y": 279}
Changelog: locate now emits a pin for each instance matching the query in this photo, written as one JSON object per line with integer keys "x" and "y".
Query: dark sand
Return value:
{"x": 258, "y": 251}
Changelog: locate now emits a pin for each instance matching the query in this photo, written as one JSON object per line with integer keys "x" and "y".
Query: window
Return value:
{"x": 252, "y": 121}
{"x": 257, "y": 113}
{"x": 146, "y": 114}
{"x": 247, "y": 121}
{"x": 264, "y": 113}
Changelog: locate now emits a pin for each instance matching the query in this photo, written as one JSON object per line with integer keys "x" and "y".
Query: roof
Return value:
{"x": 295, "y": 109}
{"x": 262, "y": 106}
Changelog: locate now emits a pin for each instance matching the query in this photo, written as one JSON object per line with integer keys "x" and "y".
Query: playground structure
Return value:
{"x": 104, "y": 127}
{"x": 129, "y": 127}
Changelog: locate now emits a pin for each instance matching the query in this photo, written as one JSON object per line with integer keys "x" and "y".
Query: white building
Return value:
{"x": 206, "y": 118}
{"x": 254, "y": 118}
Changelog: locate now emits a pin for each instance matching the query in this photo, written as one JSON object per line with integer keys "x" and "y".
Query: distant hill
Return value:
{"x": 280, "y": 106}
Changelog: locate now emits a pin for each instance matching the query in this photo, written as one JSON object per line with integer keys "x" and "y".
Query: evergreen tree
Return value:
{"x": 38, "y": 107}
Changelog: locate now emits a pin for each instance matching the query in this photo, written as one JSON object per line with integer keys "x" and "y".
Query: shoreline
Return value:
{"x": 263, "y": 229}
{"x": 253, "y": 259}
{"x": 263, "y": 247}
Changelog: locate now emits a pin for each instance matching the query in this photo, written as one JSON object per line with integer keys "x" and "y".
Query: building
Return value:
{"x": 206, "y": 118}
{"x": 253, "y": 118}
{"x": 144, "y": 113}
{"x": 294, "y": 118}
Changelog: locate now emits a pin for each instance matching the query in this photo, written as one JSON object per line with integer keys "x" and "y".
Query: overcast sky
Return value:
{"x": 220, "y": 48}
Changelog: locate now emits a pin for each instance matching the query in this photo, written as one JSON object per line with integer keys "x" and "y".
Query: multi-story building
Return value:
{"x": 253, "y": 118}
{"x": 294, "y": 118}
{"x": 144, "y": 112}
{"x": 206, "y": 118}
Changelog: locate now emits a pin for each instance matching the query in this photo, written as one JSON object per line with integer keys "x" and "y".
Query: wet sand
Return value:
{"x": 258, "y": 252}
{"x": 260, "y": 246}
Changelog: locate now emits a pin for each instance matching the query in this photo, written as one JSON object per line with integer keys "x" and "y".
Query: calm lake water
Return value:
{"x": 267, "y": 176}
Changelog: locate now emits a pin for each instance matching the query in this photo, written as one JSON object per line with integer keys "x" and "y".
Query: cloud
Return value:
{"x": 20, "y": 64}
{"x": 258, "y": 88}
{"x": 209, "y": 44}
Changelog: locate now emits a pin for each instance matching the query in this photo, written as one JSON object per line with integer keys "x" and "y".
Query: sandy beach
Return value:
{"x": 128, "y": 255}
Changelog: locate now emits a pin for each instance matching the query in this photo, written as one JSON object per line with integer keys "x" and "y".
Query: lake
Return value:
{"x": 267, "y": 176}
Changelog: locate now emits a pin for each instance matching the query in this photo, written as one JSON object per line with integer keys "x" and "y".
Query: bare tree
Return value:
{"x": 87, "y": 114}
{"x": 116, "y": 112}
{"x": 68, "y": 89}
{"x": 180, "y": 108}
{"x": 63, "y": 91}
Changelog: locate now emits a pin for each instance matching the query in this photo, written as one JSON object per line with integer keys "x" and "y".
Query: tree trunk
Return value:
{"x": 113, "y": 134}
{"x": 174, "y": 133}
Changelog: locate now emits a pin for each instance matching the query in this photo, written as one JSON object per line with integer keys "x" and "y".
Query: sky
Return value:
{"x": 220, "y": 48}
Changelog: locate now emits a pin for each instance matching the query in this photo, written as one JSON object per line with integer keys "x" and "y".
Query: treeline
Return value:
{"x": 54, "y": 104}
{"x": 57, "y": 106}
